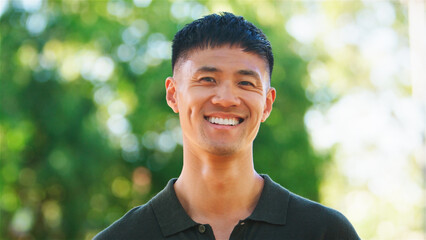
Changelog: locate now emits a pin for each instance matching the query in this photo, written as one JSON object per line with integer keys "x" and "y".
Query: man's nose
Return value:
{"x": 226, "y": 96}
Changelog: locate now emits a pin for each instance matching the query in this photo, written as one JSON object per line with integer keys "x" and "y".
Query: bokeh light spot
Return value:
{"x": 180, "y": 10}
{"x": 118, "y": 125}
{"x": 125, "y": 52}
{"x": 59, "y": 160}
{"x": 135, "y": 32}
{"x": 94, "y": 68}
{"x": 121, "y": 187}
{"x": 304, "y": 27}
{"x": 129, "y": 143}
{"x": 28, "y": 56}
{"x": 142, "y": 3}
{"x": 22, "y": 220}
{"x": 166, "y": 142}
{"x": 70, "y": 68}
{"x": 149, "y": 139}
{"x": 158, "y": 47}
{"x": 119, "y": 9}
{"x": 53, "y": 51}
{"x": 36, "y": 23}
{"x": 52, "y": 213}
{"x": 3, "y": 6}
{"x": 138, "y": 65}
{"x": 103, "y": 68}
{"x": 117, "y": 107}
{"x": 141, "y": 180}
{"x": 31, "y": 5}
{"x": 104, "y": 95}
{"x": 130, "y": 146}
{"x": 9, "y": 200}
{"x": 15, "y": 139}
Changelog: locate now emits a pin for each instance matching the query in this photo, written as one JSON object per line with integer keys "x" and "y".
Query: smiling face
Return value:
{"x": 221, "y": 94}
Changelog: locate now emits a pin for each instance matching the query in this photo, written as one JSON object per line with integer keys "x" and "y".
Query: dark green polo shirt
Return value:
{"x": 279, "y": 214}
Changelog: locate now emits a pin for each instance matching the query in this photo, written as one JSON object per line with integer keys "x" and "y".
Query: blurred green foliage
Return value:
{"x": 85, "y": 130}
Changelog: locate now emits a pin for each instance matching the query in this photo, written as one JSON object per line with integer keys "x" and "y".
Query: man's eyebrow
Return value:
{"x": 249, "y": 73}
{"x": 207, "y": 69}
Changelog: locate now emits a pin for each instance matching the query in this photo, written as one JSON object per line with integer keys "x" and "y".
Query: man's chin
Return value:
{"x": 222, "y": 150}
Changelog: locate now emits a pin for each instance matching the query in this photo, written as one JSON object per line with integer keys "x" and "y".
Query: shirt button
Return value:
{"x": 202, "y": 228}
{"x": 242, "y": 223}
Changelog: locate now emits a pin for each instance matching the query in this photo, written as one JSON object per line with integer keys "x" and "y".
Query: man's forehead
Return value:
{"x": 216, "y": 59}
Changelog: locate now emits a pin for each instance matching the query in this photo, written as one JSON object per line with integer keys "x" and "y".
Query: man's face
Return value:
{"x": 221, "y": 95}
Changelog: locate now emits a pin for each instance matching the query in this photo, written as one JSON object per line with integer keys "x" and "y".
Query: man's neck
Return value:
{"x": 218, "y": 190}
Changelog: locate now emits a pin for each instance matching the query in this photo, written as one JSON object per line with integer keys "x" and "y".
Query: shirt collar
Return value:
{"x": 170, "y": 214}
{"x": 273, "y": 203}
{"x": 172, "y": 218}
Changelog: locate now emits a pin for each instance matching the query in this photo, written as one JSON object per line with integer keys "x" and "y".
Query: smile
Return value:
{"x": 224, "y": 121}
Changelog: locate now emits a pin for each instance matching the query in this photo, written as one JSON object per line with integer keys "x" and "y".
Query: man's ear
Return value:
{"x": 171, "y": 96}
{"x": 270, "y": 98}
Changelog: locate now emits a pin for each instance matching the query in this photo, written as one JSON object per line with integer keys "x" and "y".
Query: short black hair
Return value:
{"x": 216, "y": 30}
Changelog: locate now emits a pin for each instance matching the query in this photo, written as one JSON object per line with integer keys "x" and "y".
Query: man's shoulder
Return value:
{"x": 294, "y": 203}
{"x": 298, "y": 214}
{"x": 138, "y": 223}
{"x": 301, "y": 207}
{"x": 330, "y": 222}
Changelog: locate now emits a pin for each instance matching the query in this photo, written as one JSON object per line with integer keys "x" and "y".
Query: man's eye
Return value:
{"x": 207, "y": 79}
{"x": 246, "y": 83}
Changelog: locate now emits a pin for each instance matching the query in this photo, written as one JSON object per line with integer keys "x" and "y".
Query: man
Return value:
{"x": 220, "y": 87}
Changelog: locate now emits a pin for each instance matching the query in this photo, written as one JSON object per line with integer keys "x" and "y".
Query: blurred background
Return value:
{"x": 86, "y": 134}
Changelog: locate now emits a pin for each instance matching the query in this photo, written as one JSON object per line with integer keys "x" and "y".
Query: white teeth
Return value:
{"x": 224, "y": 121}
